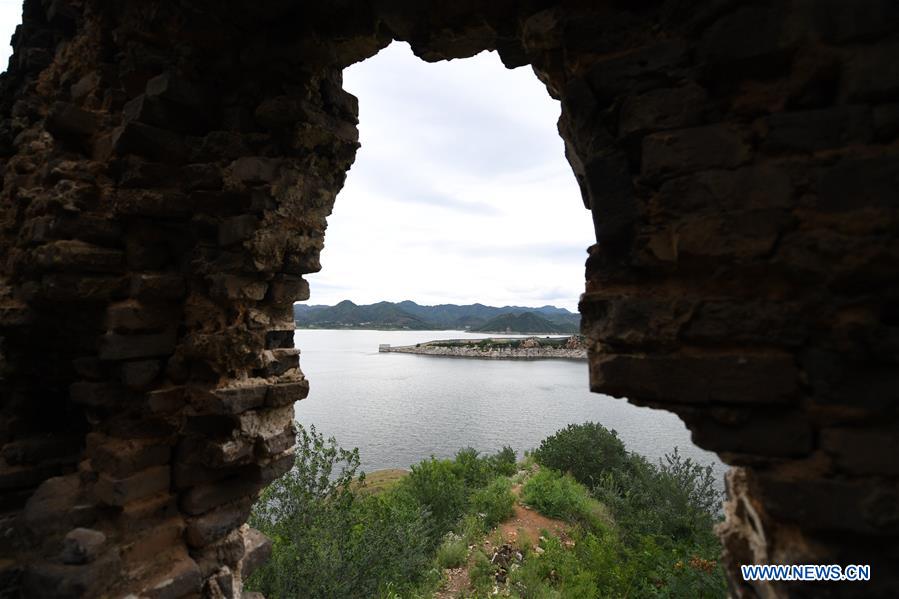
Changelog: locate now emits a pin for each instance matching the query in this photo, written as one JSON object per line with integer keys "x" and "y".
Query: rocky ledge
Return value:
{"x": 501, "y": 348}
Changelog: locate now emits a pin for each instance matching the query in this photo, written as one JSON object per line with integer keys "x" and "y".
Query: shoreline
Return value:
{"x": 559, "y": 348}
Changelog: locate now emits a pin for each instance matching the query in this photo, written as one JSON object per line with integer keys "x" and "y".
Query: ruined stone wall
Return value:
{"x": 167, "y": 168}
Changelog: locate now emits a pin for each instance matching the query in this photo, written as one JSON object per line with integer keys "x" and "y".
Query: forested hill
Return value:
{"x": 412, "y": 316}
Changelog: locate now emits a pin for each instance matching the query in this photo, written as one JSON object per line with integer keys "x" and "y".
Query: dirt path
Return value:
{"x": 525, "y": 526}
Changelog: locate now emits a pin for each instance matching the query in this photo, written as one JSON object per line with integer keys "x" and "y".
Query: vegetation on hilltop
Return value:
{"x": 526, "y": 322}
{"x": 627, "y": 528}
{"x": 408, "y": 315}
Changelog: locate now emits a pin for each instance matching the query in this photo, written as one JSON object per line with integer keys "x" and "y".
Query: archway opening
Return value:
{"x": 460, "y": 206}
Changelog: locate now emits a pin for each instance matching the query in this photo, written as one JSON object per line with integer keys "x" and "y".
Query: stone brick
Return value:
{"x": 69, "y": 120}
{"x": 167, "y": 399}
{"x": 659, "y": 109}
{"x": 180, "y": 579}
{"x": 258, "y": 548}
{"x": 96, "y": 394}
{"x": 202, "y": 498}
{"x": 279, "y": 361}
{"x": 686, "y": 150}
{"x": 121, "y": 458}
{"x": 282, "y": 394}
{"x": 157, "y": 286}
{"x": 36, "y": 449}
{"x": 717, "y": 378}
{"x": 138, "y": 375}
{"x": 132, "y": 315}
{"x": 254, "y": 170}
{"x": 855, "y": 506}
{"x": 748, "y": 188}
{"x": 815, "y": 130}
{"x": 637, "y": 70}
{"x": 152, "y": 541}
{"x": 232, "y": 400}
{"x": 57, "y": 581}
{"x": 862, "y": 451}
{"x": 212, "y": 526}
{"x": 167, "y": 203}
{"x": 228, "y": 550}
{"x": 754, "y": 434}
{"x": 287, "y": 289}
{"x": 151, "y": 142}
{"x": 171, "y": 88}
{"x": 863, "y": 19}
{"x": 82, "y": 545}
{"x": 77, "y": 289}
{"x": 237, "y": 287}
{"x": 77, "y": 255}
{"x": 116, "y": 346}
{"x": 749, "y": 34}
{"x": 777, "y": 323}
{"x": 237, "y": 229}
{"x": 872, "y": 73}
{"x": 119, "y": 491}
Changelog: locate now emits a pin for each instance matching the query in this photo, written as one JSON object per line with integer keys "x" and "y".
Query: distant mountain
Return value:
{"x": 526, "y": 322}
{"x": 412, "y": 316}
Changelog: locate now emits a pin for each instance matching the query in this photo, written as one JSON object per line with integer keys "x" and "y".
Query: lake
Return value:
{"x": 401, "y": 408}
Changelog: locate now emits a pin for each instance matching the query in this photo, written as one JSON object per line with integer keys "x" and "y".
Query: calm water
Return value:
{"x": 400, "y": 408}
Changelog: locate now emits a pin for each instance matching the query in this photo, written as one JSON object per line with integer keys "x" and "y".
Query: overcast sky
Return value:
{"x": 460, "y": 192}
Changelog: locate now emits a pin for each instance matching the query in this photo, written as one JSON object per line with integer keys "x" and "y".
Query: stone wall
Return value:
{"x": 167, "y": 169}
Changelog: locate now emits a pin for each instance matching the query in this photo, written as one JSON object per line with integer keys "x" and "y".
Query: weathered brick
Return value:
{"x": 258, "y": 548}
{"x": 115, "y": 346}
{"x": 686, "y": 150}
{"x": 255, "y": 169}
{"x": 232, "y": 400}
{"x": 282, "y": 394}
{"x": 138, "y": 375}
{"x": 279, "y": 361}
{"x": 863, "y": 451}
{"x": 157, "y": 286}
{"x": 213, "y": 525}
{"x": 96, "y": 394}
{"x": 121, "y": 458}
{"x": 152, "y": 142}
{"x": 202, "y": 498}
{"x": 279, "y": 339}
{"x": 237, "y": 287}
{"x": 77, "y": 255}
{"x": 659, "y": 109}
{"x": 717, "y": 378}
{"x": 815, "y": 130}
{"x": 69, "y": 120}
{"x": 237, "y": 229}
{"x": 120, "y": 491}
{"x": 288, "y": 289}
{"x": 132, "y": 315}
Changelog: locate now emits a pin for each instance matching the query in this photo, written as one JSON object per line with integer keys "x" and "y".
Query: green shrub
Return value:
{"x": 473, "y": 469}
{"x": 453, "y": 552}
{"x": 556, "y": 573}
{"x": 481, "y": 573}
{"x": 560, "y": 496}
{"x": 494, "y": 502}
{"x": 436, "y": 486}
{"x": 586, "y": 451}
{"x": 676, "y": 500}
{"x": 504, "y": 462}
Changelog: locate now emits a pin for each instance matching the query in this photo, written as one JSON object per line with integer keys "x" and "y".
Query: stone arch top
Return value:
{"x": 167, "y": 172}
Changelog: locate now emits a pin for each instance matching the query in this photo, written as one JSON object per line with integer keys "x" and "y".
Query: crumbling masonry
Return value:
{"x": 167, "y": 169}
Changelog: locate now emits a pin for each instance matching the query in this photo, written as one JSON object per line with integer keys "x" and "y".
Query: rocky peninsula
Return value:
{"x": 499, "y": 348}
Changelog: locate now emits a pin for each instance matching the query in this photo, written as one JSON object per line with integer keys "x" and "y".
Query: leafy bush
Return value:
{"x": 329, "y": 542}
{"x": 436, "y": 486}
{"x": 586, "y": 451}
{"x": 494, "y": 502}
{"x": 453, "y": 552}
{"x": 474, "y": 470}
{"x": 504, "y": 462}
{"x": 560, "y": 496}
{"x": 676, "y": 500}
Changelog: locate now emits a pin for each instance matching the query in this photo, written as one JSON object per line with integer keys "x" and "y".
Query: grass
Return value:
{"x": 381, "y": 480}
{"x": 453, "y": 552}
{"x": 560, "y": 496}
